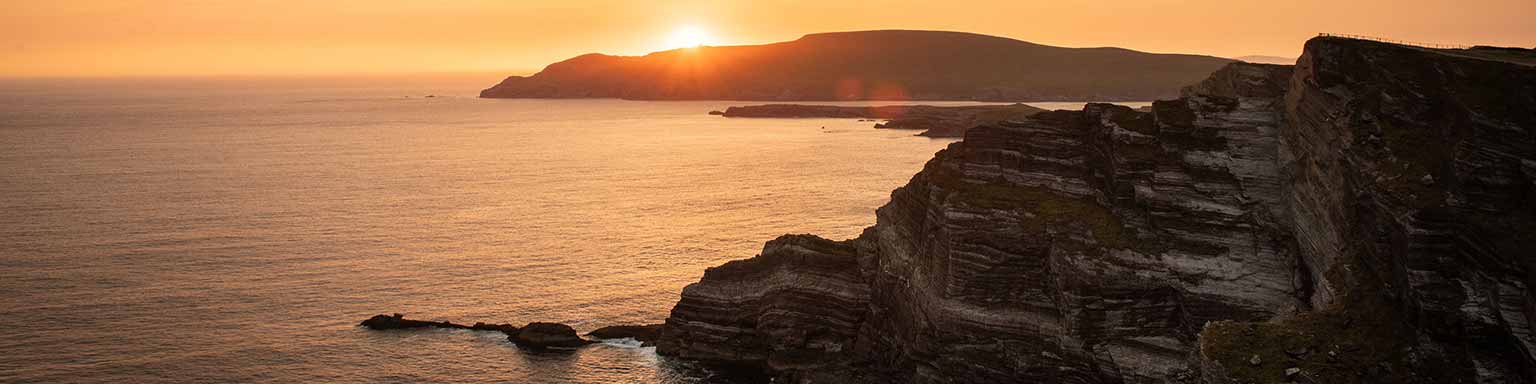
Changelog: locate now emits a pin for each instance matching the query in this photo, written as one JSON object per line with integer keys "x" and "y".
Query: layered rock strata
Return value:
{"x": 1373, "y": 190}
{"x": 796, "y": 306}
{"x": 1411, "y": 178}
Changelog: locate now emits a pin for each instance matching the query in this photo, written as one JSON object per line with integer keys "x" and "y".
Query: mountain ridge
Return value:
{"x": 870, "y": 65}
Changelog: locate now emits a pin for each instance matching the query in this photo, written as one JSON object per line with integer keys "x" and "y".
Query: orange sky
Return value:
{"x": 271, "y": 37}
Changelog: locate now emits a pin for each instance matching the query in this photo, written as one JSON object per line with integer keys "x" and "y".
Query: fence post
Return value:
{"x": 1394, "y": 41}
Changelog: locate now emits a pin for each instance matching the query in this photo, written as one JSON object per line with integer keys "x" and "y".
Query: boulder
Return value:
{"x": 547, "y": 335}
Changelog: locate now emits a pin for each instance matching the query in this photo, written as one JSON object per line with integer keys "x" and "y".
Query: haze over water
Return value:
{"x": 238, "y": 230}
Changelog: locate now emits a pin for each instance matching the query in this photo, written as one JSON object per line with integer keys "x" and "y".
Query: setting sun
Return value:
{"x": 688, "y": 36}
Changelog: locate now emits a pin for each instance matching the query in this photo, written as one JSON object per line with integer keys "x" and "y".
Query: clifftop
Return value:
{"x": 870, "y": 65}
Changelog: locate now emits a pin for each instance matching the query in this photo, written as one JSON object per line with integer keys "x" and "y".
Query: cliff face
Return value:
{"x": 1410, "y": 178}
{"x": 869, "y": 65}
{"x": 796, "y": 305}
{"x": 1223, "y": 236}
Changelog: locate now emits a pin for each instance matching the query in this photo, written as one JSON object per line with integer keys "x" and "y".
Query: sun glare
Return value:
{"x": 688, "y": 36}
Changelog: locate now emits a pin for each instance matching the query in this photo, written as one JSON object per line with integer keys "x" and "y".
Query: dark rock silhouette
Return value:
{"x": 870, "y": 65}
{"x": 535, "y": 335}
{"x": 504, "y": 328}
{"x": 398, "y": 321}
{"x": 1364, "y": 216}
{"x": 548, "y": 335}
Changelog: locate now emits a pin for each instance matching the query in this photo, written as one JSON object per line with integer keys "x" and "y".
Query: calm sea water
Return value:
{"x": 236, "y": 230}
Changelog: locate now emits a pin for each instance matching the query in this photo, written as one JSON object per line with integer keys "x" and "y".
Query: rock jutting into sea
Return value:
{"x": 536, "y": 335}
{"x": 398, "y": 321}
{"x": 1367, "y": 215}
{"x": 933, "y": 121}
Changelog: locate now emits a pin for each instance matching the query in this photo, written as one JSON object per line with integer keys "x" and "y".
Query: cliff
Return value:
{"x": 933, "y": 121}
{"x": 1364, "y": 216}
{"x": 869, "y": 65}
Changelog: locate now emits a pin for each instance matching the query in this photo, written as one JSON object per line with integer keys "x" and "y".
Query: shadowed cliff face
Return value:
{"x": 1076, "y": 246}
{"x": 869, "y": 65}
{"x": 1271, "y": 212}
{"x": 1410, "y": 175}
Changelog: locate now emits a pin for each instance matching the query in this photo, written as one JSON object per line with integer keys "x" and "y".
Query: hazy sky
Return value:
{"x": 187, "y": 37}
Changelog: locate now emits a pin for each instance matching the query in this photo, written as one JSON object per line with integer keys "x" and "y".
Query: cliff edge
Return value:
{"x": 1364, "y": 216}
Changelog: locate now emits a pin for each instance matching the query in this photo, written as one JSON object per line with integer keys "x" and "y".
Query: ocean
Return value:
{"x": 238, "y": 229}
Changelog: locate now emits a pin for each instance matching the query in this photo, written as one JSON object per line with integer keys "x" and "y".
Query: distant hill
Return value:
{"x": 1259, "y": 59}
{"x": 870, "y": 65}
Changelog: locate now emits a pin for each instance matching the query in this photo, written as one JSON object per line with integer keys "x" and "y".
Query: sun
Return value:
{"x": 688, "y": 36}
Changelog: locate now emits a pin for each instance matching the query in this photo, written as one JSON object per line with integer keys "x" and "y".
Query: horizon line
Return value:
{"x": 264, "y": 75}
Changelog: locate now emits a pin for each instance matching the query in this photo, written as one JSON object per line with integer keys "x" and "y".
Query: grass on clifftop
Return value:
{"x": 1360, "y": 341}
{"x": 1050, "y": 208}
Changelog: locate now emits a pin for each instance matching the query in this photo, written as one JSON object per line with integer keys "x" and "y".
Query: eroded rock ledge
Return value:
{"x": 1364, "y": 216}
{"x": 797, "y": 305}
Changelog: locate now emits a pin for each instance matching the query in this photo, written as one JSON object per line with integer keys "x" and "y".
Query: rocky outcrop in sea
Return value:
{"x": 1367, "y": 215}
{"x": 536, "y": 335}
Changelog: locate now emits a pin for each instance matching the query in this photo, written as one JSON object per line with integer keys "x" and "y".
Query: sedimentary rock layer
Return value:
{"x": 1074, "y": 246}
{"x": 797, "y": 305}
{"x": 1373, "y": 190}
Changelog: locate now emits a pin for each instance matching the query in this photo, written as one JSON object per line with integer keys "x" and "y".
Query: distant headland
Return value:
{"x": 933, "y": 121}
{"x": 870, "y": 65}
